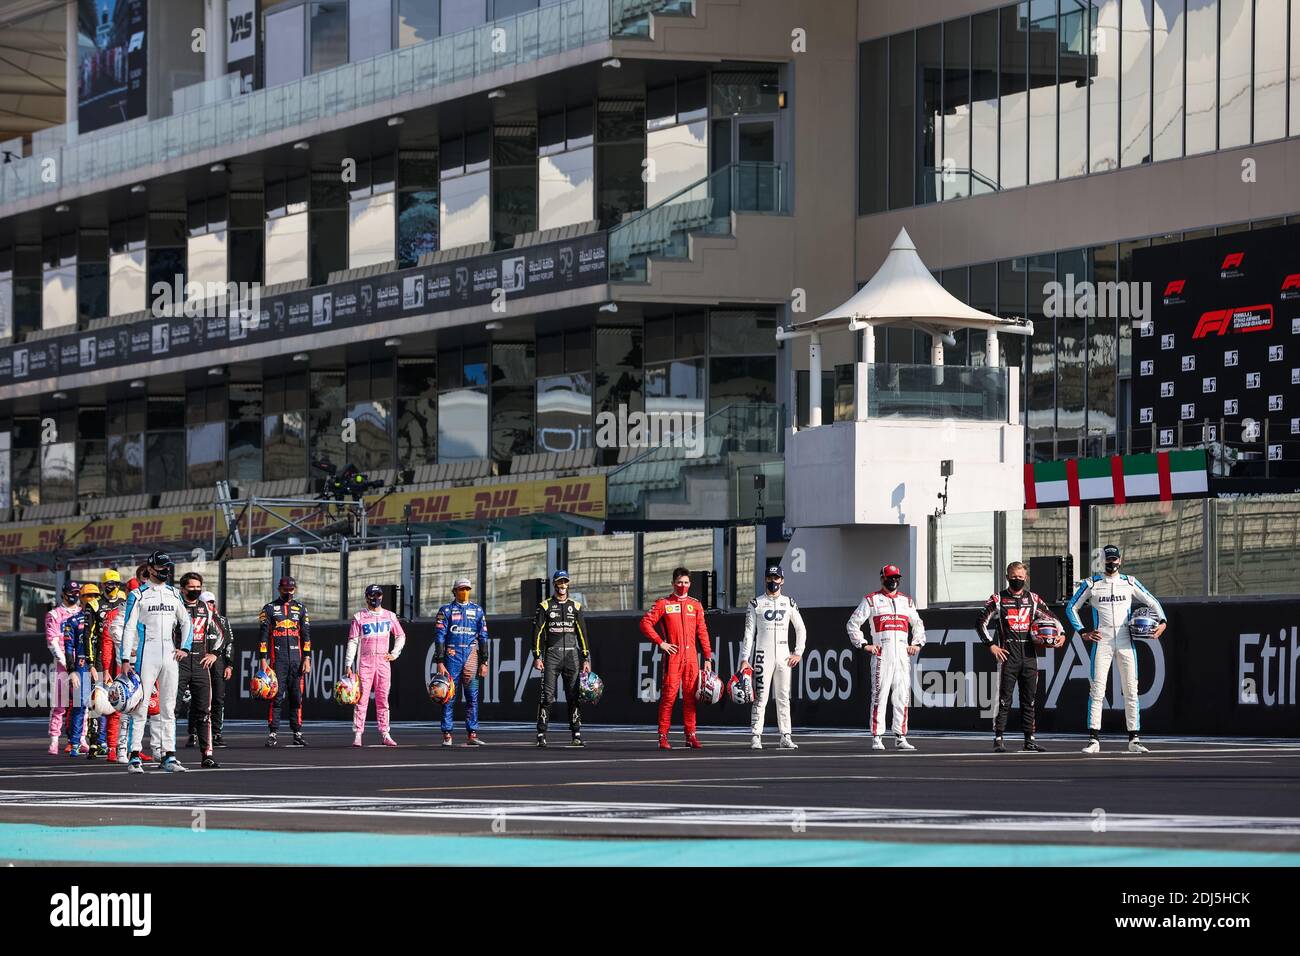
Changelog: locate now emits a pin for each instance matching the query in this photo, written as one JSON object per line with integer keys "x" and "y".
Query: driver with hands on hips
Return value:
{"x": 674, "y": 624}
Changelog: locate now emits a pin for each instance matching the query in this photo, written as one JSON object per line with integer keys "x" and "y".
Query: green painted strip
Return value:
{"x": 1187, "y": 460}
{"x": 175, "y": 845}
{"x": 1094, "y": 468}
{"x": 1045, "y": 471}
{"x": 1140, "y": 465}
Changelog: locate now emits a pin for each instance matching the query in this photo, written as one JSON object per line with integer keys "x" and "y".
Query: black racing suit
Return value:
{"x": 1014, "y": 612}
{"x": 560, "y": 641}
{"x": 222, "y": 644}
{"x": 197, "y": 679}
{"x": 286, "y": 643}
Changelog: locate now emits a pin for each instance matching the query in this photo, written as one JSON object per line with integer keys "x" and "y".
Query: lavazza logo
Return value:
{"x": 76, "y": 909}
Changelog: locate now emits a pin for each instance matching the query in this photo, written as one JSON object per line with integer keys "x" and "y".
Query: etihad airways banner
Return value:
{"x": 581, "y": 496}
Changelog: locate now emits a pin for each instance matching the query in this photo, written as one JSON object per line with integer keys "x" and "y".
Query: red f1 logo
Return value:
{"x": 1212, "y": 323}
{"x": 1291, "y": 282}
{"x": 1175, "y": 287}
{"x": 1232, "y": 260}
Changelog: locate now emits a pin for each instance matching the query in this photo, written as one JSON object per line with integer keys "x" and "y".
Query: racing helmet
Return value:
{"x": 442, "y": 689}
{"x": 709, "y": 688}
{"x": 741, "y": 686}
{"x": 125, "y": 692}
{"x": 347, "y": 690}
{"x": 590, "y": 687}
{"x": 1047, "y": 632}
{"x": 264, "y": 684}
{"x": 155, "y": 705}
{"x": 99, "y": 702}
{"x": 1143, "y": 624}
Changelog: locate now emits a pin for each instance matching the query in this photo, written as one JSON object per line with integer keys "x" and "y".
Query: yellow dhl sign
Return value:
{"x": 582, "y": 496}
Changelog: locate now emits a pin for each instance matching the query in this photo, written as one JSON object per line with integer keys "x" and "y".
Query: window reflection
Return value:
{"x": 206, "y": 261}
{"x": 1135, "y": 88}
{"x": 464, "y": 210}
{"x": 126, "y": 283}
{"x": 984, "y": 105}
{"x": 417, "y": 21}
{"x": 286, "y": 37}
{"x": 1042, "y": 91}
{"x": 1103, "y": 102}
{"x": 286, "y": 249}
{"x": 1075, "y": 68}
{"x": 462, "y": 424}
{"x": 679, "y": 157}
{"x": 564, "y": 413}
{"x": 1167, "y": 89}
{"x": 1014, "y": 97}
{"x": 205, "y": 450}
{"x": 371, "y": 228}
{"x": 1202, "y": 75}
{"x": 59, "y": 297}
{"x": 566, "y": 188}
{"x": 1234, "y": 72}
{"x": 1270, "y": 69}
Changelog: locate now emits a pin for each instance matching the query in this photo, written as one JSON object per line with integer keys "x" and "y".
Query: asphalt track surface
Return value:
{"x": 1188, "y": 794}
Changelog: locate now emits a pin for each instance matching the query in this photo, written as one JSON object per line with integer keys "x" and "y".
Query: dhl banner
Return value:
{"x": 581, "y": 496}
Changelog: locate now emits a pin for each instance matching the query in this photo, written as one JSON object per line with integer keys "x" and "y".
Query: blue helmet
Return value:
{"x": 559, "y": 576}
{"x": 1143, "y": 624}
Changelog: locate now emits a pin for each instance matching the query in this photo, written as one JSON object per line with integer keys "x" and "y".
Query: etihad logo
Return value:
{"x": 1231, "y": 267}
{"x": 1253, "y": 318}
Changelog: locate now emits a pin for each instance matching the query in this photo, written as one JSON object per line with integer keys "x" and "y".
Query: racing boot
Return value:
{"x": 209, "y": 763}
{"x": 1135, "y": 746}
{"x": 663, "y": 742}
{"x": 902, "y": 744}
{"x": 271, "y": 739}
{"x": 471, "y": 740}
{"x": 171, "y": 765}
{"x": 446, "y": 739}
{"x": 298, "y": 740}
{"x": 54, "y": 747}
{"x": 755, "y": 742}
{"x": 694, "y": 742}
{"x": 577, "y": 740}
{"x": 877, "y": 743}
{"x": 541, "y": 741}
{"x": 387, "y": 741}
{"x": 1031, "y": 746}
{"x": 356, "y": 740}
{"x": 998, "y": 746}
{"x": 787, "y": 743}
{"x": 1094, "y": 746}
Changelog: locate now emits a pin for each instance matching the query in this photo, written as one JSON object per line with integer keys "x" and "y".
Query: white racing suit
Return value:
{"x": 892, "y": 618}
{"x": 767, "y": 638}
{"x": 153, "y": 616}
{"x": 1111, "y": 598}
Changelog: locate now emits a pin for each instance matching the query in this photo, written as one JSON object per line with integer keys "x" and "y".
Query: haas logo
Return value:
{"x": 241, "y": 27}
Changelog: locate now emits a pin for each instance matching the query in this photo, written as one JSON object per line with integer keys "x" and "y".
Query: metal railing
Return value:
{"x": 704, "y": 207}
{"x": 962, "y": 392}
{"x": 1240, "y": 449}
{"x": 528, "y": 37}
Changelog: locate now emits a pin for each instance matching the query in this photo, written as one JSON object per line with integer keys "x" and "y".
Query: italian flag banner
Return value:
{"x": 1163, "y": 476}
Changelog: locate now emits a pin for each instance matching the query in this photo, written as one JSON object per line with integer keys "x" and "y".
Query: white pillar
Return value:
{"x": 869, "y": 345}
{"x": 936, "y": 350}
{"x": 815, "y": 380}
{"x": 70, "y": 66}
{"x": 214, "y": 23}
{"x": 991, "y": 349}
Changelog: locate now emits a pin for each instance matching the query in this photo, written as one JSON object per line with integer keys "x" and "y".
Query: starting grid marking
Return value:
{"x": 659, "y": 814}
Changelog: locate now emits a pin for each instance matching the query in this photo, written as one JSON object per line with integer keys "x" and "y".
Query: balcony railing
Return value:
{"x": 530, "y": 36}
{"x": 961, "y": 392}
{"x": 704, "y": 207}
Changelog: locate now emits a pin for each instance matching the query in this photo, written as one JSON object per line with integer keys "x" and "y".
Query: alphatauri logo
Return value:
{"x": 76, "y": 909}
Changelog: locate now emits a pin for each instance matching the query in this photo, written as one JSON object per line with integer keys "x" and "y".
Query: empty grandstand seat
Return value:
{"x": 115, "y": 504}
{"x": 53, "y": 511}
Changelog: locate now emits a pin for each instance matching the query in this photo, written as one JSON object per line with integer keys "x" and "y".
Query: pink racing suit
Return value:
{"x": 54, "y": 622}
{"x": 370, "y": 632}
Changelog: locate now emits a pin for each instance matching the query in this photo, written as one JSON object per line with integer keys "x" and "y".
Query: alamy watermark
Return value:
{"x": 206, "y": 300}
{"x": 1098, "y": 300}
{"x": 628, "y": 429}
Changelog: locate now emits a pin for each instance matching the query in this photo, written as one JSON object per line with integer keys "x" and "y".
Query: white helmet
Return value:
{"x": 125, "y": 693}
{"x": 99, "y": 702}
{"x": 709, "y": 689}
{"x": 742, "y": 687}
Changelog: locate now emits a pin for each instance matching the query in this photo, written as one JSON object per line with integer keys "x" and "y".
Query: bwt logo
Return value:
{"x": 75, "y": 909}
{"x": 241, "y": 27}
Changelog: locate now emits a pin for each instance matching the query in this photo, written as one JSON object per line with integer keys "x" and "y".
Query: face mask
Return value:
{"x": 70, "y": 601}
{"x": 773, "y": 587}
{"x": 891, "y": 584}
{"x": 1111, "y": 567}
{"x": 374, "y": 600}
{"x": 462, "y": 595}
{"x": 681, "y": 590}
{"x": 193, "y": 595}
{"x": 1015, "y": 584}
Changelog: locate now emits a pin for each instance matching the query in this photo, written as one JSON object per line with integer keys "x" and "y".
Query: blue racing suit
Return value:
{"x": 80, "y": 635}
{"x": 460, "y": 639}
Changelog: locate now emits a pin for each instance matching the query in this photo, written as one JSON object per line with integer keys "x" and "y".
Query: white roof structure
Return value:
{"x": 903, "y": 292}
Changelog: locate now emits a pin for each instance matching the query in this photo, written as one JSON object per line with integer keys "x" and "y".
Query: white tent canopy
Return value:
{"x": 904, "y": 292}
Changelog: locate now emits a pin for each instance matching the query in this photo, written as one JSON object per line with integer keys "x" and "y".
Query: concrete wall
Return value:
{"x": 835, "y": 567}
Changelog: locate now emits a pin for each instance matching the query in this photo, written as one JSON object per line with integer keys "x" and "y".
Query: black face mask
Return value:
{"x": 1015, "y": 584}
{"x": 193, "y": 595}
{"x": 773, "y": 587}
{"x": 1111, "y": 567}
{"x": 375, "y": 600}
{"x": 891, "y": 584}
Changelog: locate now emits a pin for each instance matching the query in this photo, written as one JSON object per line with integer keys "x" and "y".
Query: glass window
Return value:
{"x": 514, "y": 384}
{"x": 92, "y": 469}
{"x": 873, "y": 130}
{"x": 618, "y": 372}
{"x": 1293, "y": 83}
{"x": 675, "y": 388}
{"x": 1103, "y": 98}
{"x": 679, "y": 158}
{"x": 417, "y": 225}
{"x": 440, "y": 565}
{"x": 741, "y": 332}
{"x": 1102, "y": 353}
{"x": 6, "y": 312}
{"x": 325, "y": 434}
{"x": 1165, "y": 537}
{"x": 206, "y": 258}
{"x": 245, "y": 433}
{"x": 1014, "y": 97}
{"x": 164, "y": 462}
{"x": 566, "y": 188}
{"x": 206, "y": 453}
{"x": 463, "y": 424}
{"x": 378, "y": 566}
{"x": 371, "y": 227}
{"x": 1167, "y": 88}
{"x": 902, "y": 118}
{"x": 126, "y": 283}
{"x": 464, "y": 210}
{"x": 370, "y": 28}
{"x": 1202, "y": 75}
{"x": 956, "y": 109}
{"x": 748, "y": 380}
{"x": 1071, "y": 270}
{"x": 59, "y": 297}
{"x": 284, "y": 443}
{"x": 417, "y": 432}
{"x": 248, "y": 585}
{"x": 59, "y": 472}
{"x": 286, "y": 38}
{"x": 1135, "y": 90}
{"x": 929, "y": 131}
{"x": 508, "y": 563}
{"x": 564, "y": 413}
{"x": 1234, "y": 72}
{"x": 984, "y": 102}
{"x": 329, "y": 36}
{"x": 373, "y": 449}
{"x": 1074, "y": 67}
{"x": 665, "y": 550}
{"x": 1040, "y": 397}
{"x": 286, "y": 249}
{"x": 1270, "y": 69}
{"x": 417, "y": 21}
{"x": 1042, "y": 90}
{"x": 460, "y": 15}
{"x": 319, "y": 584}
{"x": 603, "y": 571}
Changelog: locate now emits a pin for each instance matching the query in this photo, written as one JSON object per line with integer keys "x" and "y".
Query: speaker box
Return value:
{"x": 1052, "y": 577}
{"x": 704, "y": 588}
{"x": 531, "y": 593}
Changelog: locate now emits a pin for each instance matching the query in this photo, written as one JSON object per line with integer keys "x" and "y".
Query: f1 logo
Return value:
{"x": 1232, "y": 260}
{"x": 1214, "y": 322}
{"x": 1291, "y": 282}
{"x": 1175, "y": 287}
{"x": 241, "y": 27}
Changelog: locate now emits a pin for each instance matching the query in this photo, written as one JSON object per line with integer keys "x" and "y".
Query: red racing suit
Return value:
{"x": 680, "y": 621}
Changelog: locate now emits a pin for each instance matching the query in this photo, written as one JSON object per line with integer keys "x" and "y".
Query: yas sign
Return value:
{"x": 241, "y": 35}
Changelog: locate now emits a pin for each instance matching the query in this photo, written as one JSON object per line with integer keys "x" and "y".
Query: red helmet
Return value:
{"x": 890, "y": 571}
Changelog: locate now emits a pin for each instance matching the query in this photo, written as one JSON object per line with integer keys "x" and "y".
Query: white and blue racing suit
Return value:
{"x": 1111, "y": 598}
{"x": 152, "y": 617}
